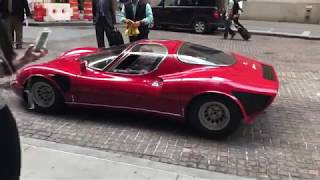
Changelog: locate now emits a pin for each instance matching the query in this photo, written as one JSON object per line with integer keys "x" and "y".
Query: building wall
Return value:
{"x": 302, "y": 11}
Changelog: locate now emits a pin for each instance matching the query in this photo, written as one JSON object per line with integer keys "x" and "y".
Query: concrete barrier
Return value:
{"x": 57, "y": 12}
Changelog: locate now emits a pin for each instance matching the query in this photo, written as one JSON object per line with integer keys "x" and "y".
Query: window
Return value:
{"x": 101, "y": 60}
{"x": 171, "y": 2}
{"x": 197, "y": 54}
{"x": 210, "y": 3}
{"x": 155, "y": 3}
{"x": 142, "y": 59}
{"x": 186, "y": 2}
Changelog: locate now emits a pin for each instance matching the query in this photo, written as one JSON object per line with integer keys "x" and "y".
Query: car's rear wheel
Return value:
{"x": 200, "y": 26}
{"x": 214, "y": 116}
{"x": 44, "y": 95}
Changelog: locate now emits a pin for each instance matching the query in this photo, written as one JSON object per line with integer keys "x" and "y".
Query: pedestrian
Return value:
{"x": 104, "y": 18}
{"x": 12, "y": 13}
{"x": 236, "y": 9}
{"x": 228, "y": 17}
{"x": 10, "y": 153}
{"x": 138, "y": 14}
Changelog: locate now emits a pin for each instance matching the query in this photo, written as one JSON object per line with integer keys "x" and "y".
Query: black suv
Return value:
{"x": 200, "y": 15}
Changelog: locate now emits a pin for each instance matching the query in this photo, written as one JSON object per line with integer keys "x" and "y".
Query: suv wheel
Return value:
{"x": 200, "y": 26}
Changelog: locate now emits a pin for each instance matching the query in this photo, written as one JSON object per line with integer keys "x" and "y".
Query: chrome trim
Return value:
{"x": 123, "y": 107}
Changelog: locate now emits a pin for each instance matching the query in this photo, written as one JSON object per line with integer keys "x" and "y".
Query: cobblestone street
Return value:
{"x": 282, "y": 143}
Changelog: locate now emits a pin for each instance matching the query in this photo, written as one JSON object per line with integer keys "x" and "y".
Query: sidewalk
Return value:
{"x": 282, "y": 29}
{"x": 49, "y": 160}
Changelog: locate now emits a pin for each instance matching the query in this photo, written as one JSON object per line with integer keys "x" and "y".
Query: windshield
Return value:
{"x": 142, "y": 59}
{"x": 102, "y": 59}
{"x": 197, "y": 54}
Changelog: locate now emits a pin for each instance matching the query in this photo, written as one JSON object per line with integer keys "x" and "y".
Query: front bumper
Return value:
{"x": 216, "y": 24}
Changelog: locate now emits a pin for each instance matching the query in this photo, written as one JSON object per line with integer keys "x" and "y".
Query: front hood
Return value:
{"x": 70, "y": 60}
{"x": 66, "y": 64}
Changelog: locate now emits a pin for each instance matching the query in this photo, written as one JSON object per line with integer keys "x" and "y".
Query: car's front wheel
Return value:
{"x": 45, "y": 96}
{"x": 214, "y": 116}
{"x": 200, "y": 26}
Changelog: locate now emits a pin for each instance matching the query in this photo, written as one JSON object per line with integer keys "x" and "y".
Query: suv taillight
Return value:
{"x": 215, "y": 15}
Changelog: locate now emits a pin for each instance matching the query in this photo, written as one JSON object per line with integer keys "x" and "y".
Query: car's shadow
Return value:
{"x": 143, "y": 121}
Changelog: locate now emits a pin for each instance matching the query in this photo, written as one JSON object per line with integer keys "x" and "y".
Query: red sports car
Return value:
{"x": 208, "y": 88}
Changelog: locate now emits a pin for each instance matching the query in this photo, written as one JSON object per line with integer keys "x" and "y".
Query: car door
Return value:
{"x": 184, "y": 12}
{"x": 104, "y": 89}
{"x": 129, "y": 83}
{"x": 170, "y": 13}
{"x": 157, "y": 10}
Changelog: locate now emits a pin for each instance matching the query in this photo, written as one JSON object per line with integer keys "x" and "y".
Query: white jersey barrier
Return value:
{"x": 57, "y": 12}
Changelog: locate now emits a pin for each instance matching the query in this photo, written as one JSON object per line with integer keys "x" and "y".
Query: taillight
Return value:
{"x": 216, "y": 15}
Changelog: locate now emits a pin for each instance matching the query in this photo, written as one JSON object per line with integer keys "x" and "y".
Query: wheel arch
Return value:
{"x": 41, "y": 76}
{"x": 202, "y": 18}
{"x": 224, "y": 96}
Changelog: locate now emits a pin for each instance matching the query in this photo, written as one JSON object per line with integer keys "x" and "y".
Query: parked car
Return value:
{"x": 208, "y": 88}
{"x": 200, "y": 15}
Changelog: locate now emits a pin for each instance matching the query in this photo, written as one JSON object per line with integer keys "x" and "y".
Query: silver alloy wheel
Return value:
{"x": 199, "y": 26}
{"x": 214, "y": 116}
{"x": 43, "y": 94}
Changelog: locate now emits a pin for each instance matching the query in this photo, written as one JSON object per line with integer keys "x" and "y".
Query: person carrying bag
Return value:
{"x": 104, "y": 16}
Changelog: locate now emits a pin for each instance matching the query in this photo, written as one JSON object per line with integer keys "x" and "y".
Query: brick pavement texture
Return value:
{"x": 283, "y": 142}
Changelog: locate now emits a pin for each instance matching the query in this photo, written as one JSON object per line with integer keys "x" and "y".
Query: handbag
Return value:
{"x": 116, "y": 38}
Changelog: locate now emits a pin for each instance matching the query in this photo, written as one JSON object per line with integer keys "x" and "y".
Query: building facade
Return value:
{"x": 301, "y": 11}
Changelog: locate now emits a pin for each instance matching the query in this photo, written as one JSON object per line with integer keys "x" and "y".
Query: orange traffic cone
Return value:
{"x": 75, "y": 7}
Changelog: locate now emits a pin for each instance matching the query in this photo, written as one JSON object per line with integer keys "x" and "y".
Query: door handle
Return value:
{"x": 157, "y": 83}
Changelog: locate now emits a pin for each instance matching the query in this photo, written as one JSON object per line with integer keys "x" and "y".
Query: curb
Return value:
{"x": 66, "y": 23}
{"x": 285, "y": 35}
{"x": 109, "y": 156}
{"x": 280, "y": 34}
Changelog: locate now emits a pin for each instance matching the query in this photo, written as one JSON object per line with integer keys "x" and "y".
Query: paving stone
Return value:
{"x": 283, "y": 140}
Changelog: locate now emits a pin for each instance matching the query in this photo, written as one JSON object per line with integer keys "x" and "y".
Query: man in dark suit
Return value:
{"x": 104, "y": 18}
{"x": 12, "y": 12}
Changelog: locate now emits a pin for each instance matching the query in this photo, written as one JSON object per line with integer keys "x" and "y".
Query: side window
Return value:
{"x": 187, "y": 3}
{"x": 155, "y": 3}
{"x": 171, "y": 2}
{"x": 209, "y": 3}
{"x": 102, "y": 63}
{"x": 142, "y": 59}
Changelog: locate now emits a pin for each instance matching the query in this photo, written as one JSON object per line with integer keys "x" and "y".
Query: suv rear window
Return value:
{"x": 196, "y": 54}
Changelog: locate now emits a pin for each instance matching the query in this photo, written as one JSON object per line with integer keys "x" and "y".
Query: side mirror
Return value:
{"x": 83, "y": 66}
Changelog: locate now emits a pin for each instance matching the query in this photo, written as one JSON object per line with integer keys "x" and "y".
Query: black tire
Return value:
{"x": 193, "y": 116}
{"x": 200, "y": 26}
{"x": 56, "y": 102}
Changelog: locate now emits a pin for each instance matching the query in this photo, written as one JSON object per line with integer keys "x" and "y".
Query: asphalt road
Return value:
{"x": 283, "y": 142}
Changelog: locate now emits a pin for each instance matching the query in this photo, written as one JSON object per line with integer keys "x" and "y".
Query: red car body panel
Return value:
{"x": 177, "y": 83}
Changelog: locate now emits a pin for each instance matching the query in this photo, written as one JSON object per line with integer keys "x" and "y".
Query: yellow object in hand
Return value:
{"x": 132, "y": 31}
